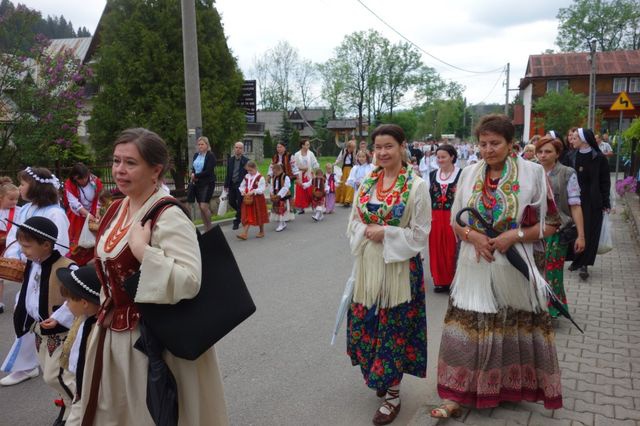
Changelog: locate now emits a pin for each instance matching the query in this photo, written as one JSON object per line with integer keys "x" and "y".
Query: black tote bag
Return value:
{"x": 190, "y": 327}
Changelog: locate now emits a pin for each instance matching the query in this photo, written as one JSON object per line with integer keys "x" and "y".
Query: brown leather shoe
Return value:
{"x": 381, "y": 418}
{"x": 260, "y": 235}
{"x": 241, "y": 236}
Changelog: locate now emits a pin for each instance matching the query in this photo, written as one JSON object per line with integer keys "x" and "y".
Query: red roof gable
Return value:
{"x": 571, "y": 64}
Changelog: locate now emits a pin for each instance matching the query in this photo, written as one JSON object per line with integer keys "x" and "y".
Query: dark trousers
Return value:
{"x": 234, "y": 201}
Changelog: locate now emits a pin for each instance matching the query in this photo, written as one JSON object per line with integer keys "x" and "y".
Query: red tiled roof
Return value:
{"x": 573, "y": 64}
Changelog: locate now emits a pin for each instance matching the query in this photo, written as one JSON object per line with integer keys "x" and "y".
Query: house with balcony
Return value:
{"x": 616, "y": 71}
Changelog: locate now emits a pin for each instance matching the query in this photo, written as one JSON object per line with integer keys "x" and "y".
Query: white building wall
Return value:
{"x": 527, "y": 101}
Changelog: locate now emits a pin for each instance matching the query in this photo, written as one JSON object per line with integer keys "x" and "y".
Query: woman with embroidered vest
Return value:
{"x": 388, "y": 228}
{"x": 442, "y": 240}
{"x": 592, "y": 169}
{"x": 203, "y": 179}
{"x": 81, "y": 196}
{"x": 169, "y": 270}
{"x": 254, "y": 205}
{"x": 566, "y": 193}
{"x": 305, "y": 163}
{"x": 280, "y": 196}
{"x": 498, "y": 341}
{"x": 346, "y": 160}
{"x": 40, "y": 188}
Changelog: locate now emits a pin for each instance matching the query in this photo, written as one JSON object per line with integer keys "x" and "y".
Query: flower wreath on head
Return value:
{"x": 53, "y": 180}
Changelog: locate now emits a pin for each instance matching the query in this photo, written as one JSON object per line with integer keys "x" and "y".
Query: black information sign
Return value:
{"x": 247, "y": 100}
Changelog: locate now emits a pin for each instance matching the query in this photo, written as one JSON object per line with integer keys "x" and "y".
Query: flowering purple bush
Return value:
{"x": 628, "y": 184}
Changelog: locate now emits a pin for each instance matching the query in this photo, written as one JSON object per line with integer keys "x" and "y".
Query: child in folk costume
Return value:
{"x": 280, "y": 196}
{"x": 81, "y": 290}
{"x": 332, "y": 183}
{"x": 254, "y": 206}
{"x": 9, "y": 195}
{"x": 360, "y": 171}
{"x": 40, "y": 306}
{"x": 318, "y": 192}
{"x": 40, "y": 188}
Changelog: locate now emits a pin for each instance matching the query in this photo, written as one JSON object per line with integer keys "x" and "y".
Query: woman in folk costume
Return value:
{"x": 332, "y": 184}
{"x": 280, "y": 196}
{"x": 81, "y": 196}
{"x": 592, "y": 168}
{"x": 498, "y": 340}
{"x": 305, "y": 163}
{"x": 9, "y": 208}
{"x": 442, "y": 240}
{"x": 388, "y": 228}
{"x": 254, "y": 206}
{"x": 566, "y": 193}
{"x": 39, "y": 187}
{"x": 346, "y": 160}
{"x": 169, "y": 269}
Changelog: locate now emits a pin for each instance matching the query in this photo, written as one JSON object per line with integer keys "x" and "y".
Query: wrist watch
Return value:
{"x": 520, "y": 234}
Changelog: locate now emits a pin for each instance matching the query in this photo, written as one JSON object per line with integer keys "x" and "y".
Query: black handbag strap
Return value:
{"x": 160, "y": 206}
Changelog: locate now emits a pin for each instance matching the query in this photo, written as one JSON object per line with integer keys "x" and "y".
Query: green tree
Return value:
{"x": 333, "y": 86}
{"x": 275, "y": 71}
{"x": 141, "y": 77}
{"x": 268, "y": 145}
{"x": 614, "y": 24}
{"x": 561, "y": 110}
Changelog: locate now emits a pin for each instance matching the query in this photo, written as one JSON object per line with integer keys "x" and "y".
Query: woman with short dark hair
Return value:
{"x": 498, "y": 341}
{"x": 156, "y": 263}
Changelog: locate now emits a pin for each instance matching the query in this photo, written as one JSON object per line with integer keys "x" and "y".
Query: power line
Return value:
{"x": 494, "y": 87}
{"x": 421, "y": 49}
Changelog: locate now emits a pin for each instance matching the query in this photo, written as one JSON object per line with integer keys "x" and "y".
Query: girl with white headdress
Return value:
{"x": 39, "y": 187}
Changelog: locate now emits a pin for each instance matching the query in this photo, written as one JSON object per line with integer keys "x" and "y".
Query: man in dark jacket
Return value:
{"x": 235, "y": 174}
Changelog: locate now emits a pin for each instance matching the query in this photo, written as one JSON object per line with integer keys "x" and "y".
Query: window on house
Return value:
{"x": 619, "y": 84}
{"x": 634, "y": 85}
{"x": 557, "y": 85}
{"x": 248, "y": 145}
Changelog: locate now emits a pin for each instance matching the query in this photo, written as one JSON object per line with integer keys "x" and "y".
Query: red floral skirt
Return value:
{"x": 442, "y": 248}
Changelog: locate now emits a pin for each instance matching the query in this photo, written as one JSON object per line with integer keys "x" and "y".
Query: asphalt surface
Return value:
{"x": 278, "y": 366}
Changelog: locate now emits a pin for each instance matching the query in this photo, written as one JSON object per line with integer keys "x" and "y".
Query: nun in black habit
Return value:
{"x": 595, "y": 182}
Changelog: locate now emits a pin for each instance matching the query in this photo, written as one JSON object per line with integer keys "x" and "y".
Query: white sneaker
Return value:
{"x": 280, "y": 227}
{"x": 315, "y": 216}
{"x": 19, "y": 377}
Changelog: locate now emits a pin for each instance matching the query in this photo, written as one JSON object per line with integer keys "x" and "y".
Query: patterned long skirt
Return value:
{"x": 507, "y": 356}
{"x": 554, "y": 256}
{"x": 393, "y": 341}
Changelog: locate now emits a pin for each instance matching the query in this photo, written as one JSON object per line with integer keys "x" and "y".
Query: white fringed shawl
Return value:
{"x": 382, "y": 270}
{"x": 486, "y": 287}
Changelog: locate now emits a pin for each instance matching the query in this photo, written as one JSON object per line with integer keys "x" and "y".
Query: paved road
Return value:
{"x": 278, "y": 366}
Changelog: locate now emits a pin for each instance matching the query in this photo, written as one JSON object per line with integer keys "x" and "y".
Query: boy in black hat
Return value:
{"x": 40, "y": 306}
{"x": 81, "y": 290}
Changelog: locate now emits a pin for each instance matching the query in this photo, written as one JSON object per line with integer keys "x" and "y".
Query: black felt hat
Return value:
{"x": 83, "y": 282}
{"x": 40, "y": 227}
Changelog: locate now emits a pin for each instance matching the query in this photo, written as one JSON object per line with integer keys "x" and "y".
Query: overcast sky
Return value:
{"x": 476, "y": 35}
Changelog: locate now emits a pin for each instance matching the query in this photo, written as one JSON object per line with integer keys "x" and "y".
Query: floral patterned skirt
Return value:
{"x": 507, "y": 356}
{"x": 554, "y": 256}
{"x": 393, "y": 341}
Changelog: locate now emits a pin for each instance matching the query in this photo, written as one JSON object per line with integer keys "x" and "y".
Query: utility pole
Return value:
{"x": 591, "y": 119}
{"x": 191, "y": 75}
{"x": 506, "y": 92}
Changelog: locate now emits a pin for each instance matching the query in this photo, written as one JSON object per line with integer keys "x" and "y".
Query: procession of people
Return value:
{"x": 470, "y": 208}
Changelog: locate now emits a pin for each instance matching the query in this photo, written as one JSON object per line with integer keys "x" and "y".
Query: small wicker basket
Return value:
{"x": 11, "y": 269}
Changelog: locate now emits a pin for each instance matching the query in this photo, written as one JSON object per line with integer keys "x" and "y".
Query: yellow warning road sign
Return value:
{"x": 623, "y": 103}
